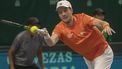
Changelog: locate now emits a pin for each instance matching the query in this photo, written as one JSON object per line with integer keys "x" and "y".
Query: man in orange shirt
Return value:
{"x": 79, "y": 33}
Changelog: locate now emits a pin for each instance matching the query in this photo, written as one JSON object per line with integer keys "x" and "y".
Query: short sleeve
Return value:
{"x": 57, "y": 31}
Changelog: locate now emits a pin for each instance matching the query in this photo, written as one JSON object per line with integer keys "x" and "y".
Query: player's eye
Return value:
{"x": 62, "y": 10}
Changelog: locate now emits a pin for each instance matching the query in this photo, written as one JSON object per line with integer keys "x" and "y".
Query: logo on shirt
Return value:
{"x": 81, "y": 34}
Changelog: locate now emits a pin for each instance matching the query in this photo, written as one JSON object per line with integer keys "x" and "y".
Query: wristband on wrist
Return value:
{"x": 47, "y": 36}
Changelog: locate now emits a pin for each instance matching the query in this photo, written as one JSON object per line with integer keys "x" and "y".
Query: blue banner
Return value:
{"x": 60, "y": 60}
{"x": 53, "y": 60}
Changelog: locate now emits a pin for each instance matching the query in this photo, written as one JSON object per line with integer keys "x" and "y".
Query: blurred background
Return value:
{"x": 58, "y": 57}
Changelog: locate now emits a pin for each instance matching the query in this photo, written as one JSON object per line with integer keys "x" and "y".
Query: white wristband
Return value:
{"x": 47, "y": 36}
{"x": 40, "y": 30}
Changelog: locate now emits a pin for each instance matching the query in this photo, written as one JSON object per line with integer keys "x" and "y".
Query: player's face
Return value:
{"x": 65, "y": 14}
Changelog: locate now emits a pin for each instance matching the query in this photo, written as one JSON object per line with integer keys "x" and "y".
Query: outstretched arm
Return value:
{"x": 105, "y": 25}
{"x": 50, "y": 40}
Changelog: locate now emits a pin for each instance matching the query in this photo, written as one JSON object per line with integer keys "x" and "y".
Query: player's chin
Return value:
{"x": 65, "y": 20}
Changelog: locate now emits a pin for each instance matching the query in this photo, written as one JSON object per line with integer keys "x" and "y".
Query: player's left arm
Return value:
{"x": 105, "y": 25}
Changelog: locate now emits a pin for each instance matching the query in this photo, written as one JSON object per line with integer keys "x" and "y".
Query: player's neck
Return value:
{"x": 70, "y": 23}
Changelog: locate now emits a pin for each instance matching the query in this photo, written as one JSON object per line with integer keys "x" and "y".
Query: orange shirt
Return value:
{"x": 82, "y": 37}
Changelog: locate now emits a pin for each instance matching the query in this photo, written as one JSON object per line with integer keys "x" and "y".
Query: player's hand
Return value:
{"x": 43, "y": 31}
{"x": 109, "y": 30}
{"x": 35, "y": 29}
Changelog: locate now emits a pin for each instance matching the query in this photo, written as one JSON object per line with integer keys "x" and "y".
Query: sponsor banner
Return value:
{"x": 53, "y": 60}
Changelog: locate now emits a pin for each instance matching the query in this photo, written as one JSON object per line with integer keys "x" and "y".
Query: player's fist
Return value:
{"x": 43, "y": 31}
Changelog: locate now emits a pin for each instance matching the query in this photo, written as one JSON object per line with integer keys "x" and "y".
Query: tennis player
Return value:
{"x": 79, "y": 32}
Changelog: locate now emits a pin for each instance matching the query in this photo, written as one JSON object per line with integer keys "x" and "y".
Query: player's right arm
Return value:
{"x": 51, "y": 40}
